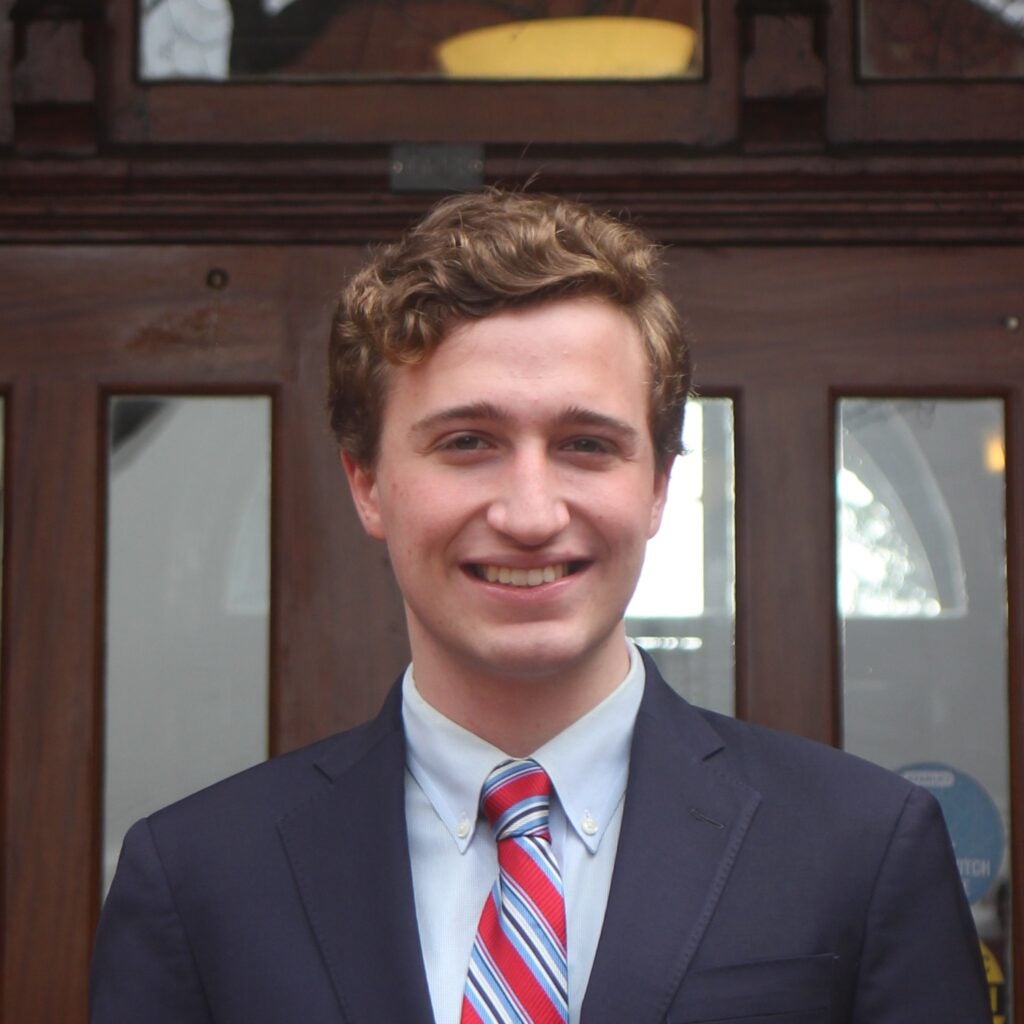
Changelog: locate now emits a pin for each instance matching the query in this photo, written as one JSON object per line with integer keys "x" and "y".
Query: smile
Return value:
{"x": 524, "y": 577}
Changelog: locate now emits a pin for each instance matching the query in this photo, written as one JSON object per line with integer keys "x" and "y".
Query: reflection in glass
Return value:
{"x": 187, "y": 600}
{"x": 921, "y": 522}
{"x": 894, "y": 561}
{"x": 351, "y": 39}
{"x": 942, "y": 39}
{"x": 683, "y": 611}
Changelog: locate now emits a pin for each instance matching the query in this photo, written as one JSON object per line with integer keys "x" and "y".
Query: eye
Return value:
{"x": 589, "y": 446}
{"x": 464, "y": 443}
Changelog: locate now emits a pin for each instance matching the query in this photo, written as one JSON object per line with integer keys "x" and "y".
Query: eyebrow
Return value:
{"x": 572, "y": 415}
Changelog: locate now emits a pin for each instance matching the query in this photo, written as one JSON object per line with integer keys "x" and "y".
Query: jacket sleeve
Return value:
{"x": 143, "y": 968}
{"x": 921, "y": 962}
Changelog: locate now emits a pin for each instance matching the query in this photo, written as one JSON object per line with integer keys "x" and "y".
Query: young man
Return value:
{"x": 535, "y": 828}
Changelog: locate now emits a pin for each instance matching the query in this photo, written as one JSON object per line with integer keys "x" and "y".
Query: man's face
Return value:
{"x": 516, "y": 488}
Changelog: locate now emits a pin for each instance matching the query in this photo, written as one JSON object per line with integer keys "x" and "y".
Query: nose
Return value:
{"x": 530, "y": 508}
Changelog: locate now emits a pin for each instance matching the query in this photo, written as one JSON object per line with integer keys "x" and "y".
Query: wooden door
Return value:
{"x": 783, "y": 332}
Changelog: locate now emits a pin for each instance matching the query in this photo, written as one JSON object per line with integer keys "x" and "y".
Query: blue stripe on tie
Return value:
{"x": 527, "y": 817}
{"x": 521, "y": 902}
{"x": 508, "y": 771}
{"x": 489, "y": 993}
{"x": 524, "y": 932}
{"x": 538, "y": 947}
{"x": 541, "y": 855}
{"x": 513, "y": 888}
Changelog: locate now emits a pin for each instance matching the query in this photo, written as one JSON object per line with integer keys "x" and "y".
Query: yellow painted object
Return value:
{"x": 996, "y": 985}
{"x": 595, "y": 47}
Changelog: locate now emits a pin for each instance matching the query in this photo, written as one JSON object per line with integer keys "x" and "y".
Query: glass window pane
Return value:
{"x": 187, "y": 600}
{"x": 921, "y": 504}
{"x": 683, "y": 610}
{"x": 352, "y": 39}
{"x": 942, "y": 39}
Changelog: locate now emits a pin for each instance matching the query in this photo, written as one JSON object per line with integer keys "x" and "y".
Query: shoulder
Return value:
{"x": 797, "y": 780}
{"x": 820, "y": 812}
{"x": 771, "y": 761}
{"x": 251, "y": 802}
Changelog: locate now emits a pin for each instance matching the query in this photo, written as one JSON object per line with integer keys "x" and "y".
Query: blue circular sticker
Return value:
{"x": 973, "y": 820}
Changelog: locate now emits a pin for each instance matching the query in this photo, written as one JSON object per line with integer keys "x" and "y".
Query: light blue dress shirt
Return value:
{"x": 452, "y": 849}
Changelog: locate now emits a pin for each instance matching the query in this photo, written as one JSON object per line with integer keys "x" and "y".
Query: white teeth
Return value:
{"x": 525, "y": 577}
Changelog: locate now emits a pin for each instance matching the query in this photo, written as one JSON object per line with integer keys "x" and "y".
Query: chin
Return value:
{"x": 545, "y": 656}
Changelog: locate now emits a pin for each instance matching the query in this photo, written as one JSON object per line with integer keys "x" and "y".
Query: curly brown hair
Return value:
{"x": 477, "y": 253}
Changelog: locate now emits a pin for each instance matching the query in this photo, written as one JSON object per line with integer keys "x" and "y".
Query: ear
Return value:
{"x": 661, "y": 478}
{"x": 362, "y": 482}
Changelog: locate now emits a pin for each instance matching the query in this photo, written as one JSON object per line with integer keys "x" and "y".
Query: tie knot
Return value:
{"x": 515, "y": 798}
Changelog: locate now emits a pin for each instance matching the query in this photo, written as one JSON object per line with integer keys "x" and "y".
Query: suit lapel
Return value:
{"x": 350, "y": 856}
{"x": 682, "y": 826}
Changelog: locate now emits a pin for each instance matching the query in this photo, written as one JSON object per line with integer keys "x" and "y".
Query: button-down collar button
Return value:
{"x": 589, "y": 825}
{"x": 462, "y": 829}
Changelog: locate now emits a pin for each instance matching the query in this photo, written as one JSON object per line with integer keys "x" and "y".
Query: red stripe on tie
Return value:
{"x": 501, "y": 967}
{"x": 529, "y": 991}
{"x": 469, "y": 1015}
{"x": 517, "y": 974}
{"x": 532, "y": 880}
{"x": 516, "y": 790}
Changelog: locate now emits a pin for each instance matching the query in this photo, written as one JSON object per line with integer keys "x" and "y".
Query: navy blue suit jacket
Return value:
{"x": 759, "y": 878}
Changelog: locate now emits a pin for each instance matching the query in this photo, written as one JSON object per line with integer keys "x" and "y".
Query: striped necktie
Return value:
{"x": 517, "y": 970}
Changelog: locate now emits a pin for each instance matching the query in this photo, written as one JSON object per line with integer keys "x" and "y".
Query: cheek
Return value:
{"x": 633, "y": 513}
{"x": 418, "y": 517}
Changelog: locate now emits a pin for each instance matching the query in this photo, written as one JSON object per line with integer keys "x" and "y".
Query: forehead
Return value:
{"x": 583, "y": 350}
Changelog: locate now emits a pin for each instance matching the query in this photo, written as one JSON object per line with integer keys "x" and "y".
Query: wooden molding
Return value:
{"x": 709, "y": 201}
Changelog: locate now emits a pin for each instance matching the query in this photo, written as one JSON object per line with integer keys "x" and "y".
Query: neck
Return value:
{"x": 518, "y": 714}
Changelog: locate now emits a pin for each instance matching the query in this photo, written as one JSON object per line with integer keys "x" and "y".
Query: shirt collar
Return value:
{"x": 588, "y": 762}
{"x": 448, "y": 762}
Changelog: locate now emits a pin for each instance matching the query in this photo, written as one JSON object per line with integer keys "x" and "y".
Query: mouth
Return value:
{"x": 533, "y": 577}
